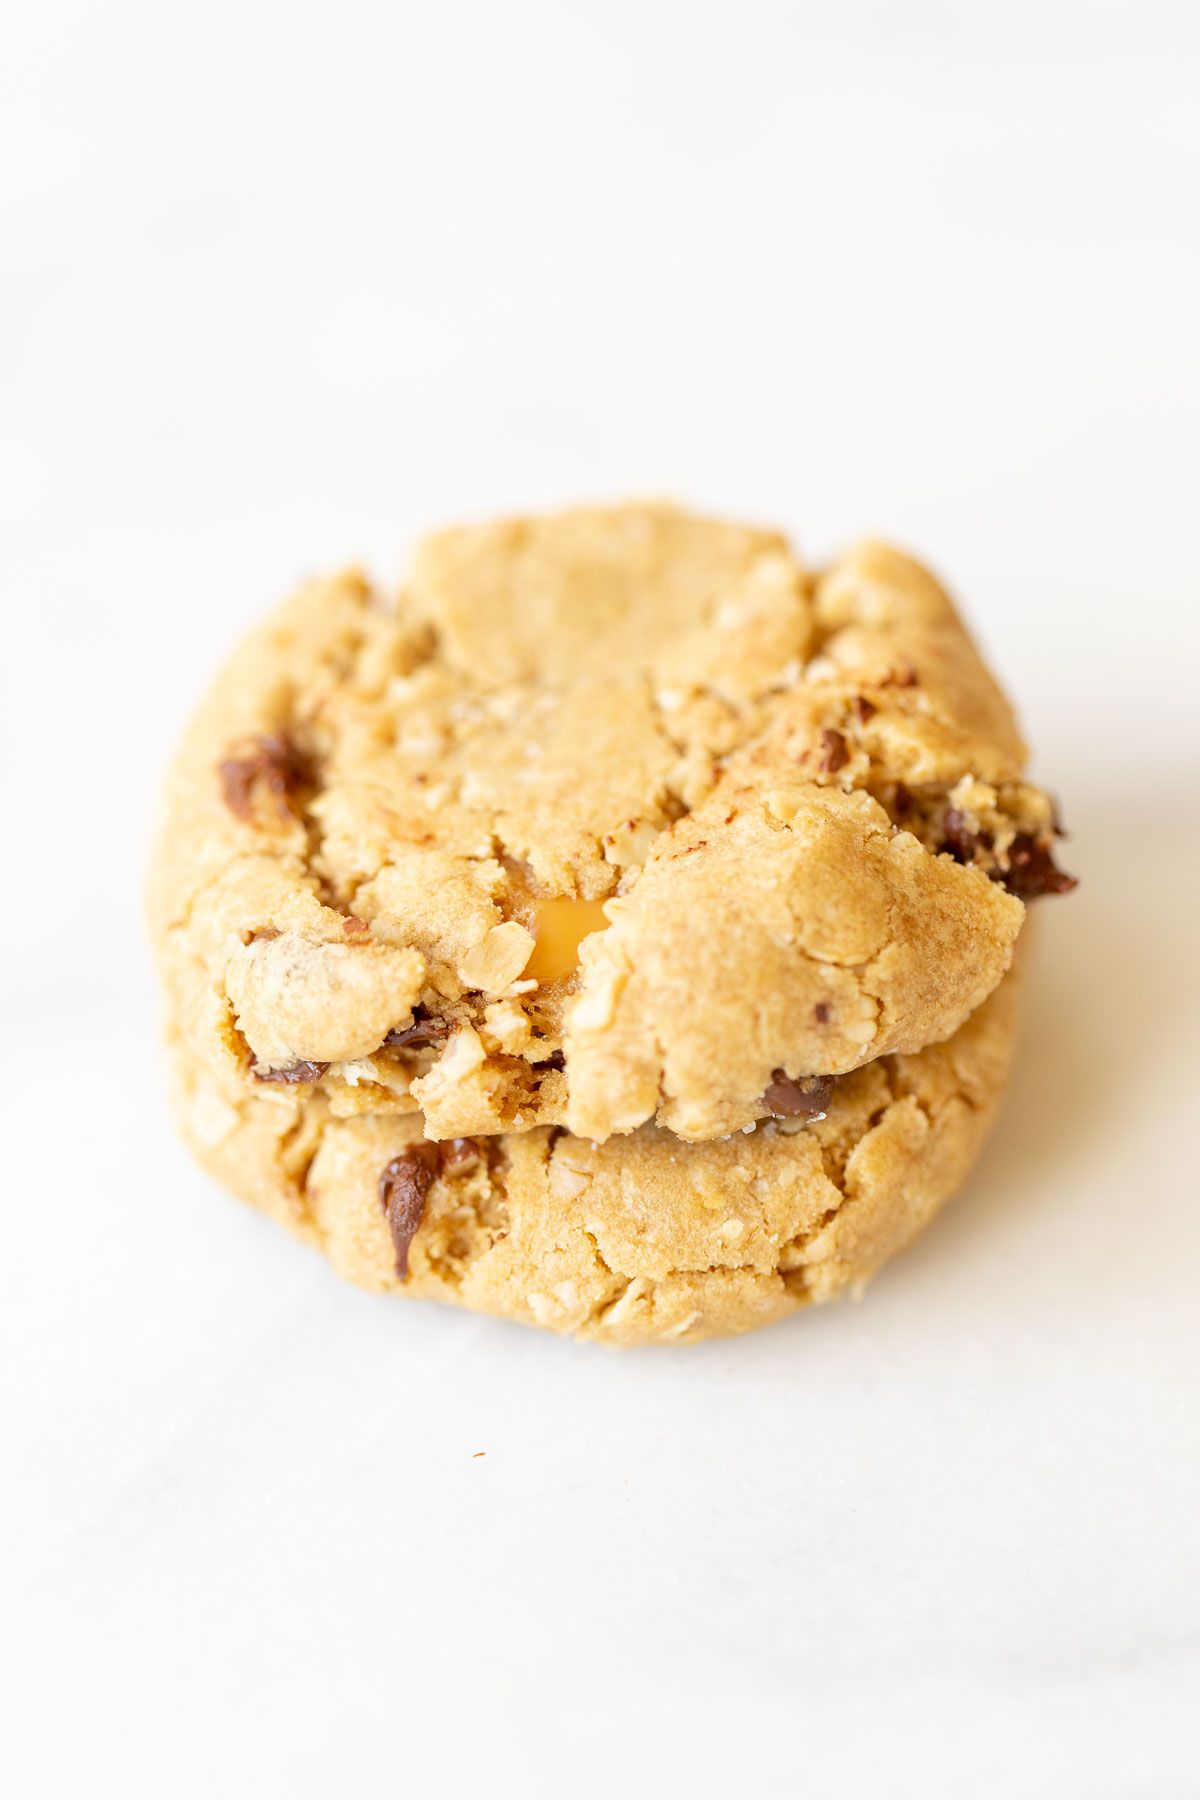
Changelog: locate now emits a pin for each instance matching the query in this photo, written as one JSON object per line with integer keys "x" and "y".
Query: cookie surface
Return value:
{"x": 610, "y": 818}
{"x": 638, "y": 1240}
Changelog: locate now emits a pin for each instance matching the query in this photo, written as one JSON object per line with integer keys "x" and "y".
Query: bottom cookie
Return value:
{"x": 641, "y": 1239}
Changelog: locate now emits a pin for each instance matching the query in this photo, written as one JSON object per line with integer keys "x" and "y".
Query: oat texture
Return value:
{"x": 613, "y": 930}
{"x": 641, "y": 1239}
{"x": 608, "y": 820}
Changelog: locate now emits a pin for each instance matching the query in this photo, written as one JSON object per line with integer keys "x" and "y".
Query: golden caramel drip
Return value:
{"x": 560, "y": 926}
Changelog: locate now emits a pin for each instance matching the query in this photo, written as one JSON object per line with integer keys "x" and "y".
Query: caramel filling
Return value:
{"x": 559, "y": 927}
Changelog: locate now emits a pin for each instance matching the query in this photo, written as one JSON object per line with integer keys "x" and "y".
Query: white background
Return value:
{"x": 283, "y": 286}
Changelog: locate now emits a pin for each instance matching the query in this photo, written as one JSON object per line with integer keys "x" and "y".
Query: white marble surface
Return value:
{"x": 282, "y": 288}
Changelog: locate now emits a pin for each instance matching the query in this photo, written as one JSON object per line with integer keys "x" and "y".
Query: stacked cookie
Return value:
{"x": 614, "y": 931}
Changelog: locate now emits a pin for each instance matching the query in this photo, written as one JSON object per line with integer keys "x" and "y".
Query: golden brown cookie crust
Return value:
{"x": 638, "y": 1240}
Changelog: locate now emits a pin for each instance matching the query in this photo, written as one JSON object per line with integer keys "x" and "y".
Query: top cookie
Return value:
{"x": 609, "y": 817}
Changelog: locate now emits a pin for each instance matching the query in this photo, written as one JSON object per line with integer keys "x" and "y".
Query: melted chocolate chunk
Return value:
{"x": 556, "y": 1060}
{"x": 274, "y": 765}
{"x": 425, "y": 1029}
{"x": 407, "y": 1179}
{"x": 1031, "y": 870}
{"x": 834, "y": 754}
{"x": 403, "y": 1186}
{"x": 293, "y": 1074}
{"x": 798, "y": 1096}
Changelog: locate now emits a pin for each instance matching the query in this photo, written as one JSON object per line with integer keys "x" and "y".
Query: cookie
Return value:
{"x": 638, "y": 1240}
{"x": 611, "y": 819}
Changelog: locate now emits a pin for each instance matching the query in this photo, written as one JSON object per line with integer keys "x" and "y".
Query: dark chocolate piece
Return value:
{"x": 1032, "y": 872}
{"x": 274, "y": 764}
{"x": 425, "y": 1029}
{"x": 293, "y": 1074}
{"x": 834, "y": 754}
{"x": 958, "y": 840}
{"x": 798, "y": 1096}
{"x": 403, "y": 1186}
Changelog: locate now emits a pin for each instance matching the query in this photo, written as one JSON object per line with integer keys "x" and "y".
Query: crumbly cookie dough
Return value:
{"x": 609, "y": 818}
{"x": 639, "y": 1240}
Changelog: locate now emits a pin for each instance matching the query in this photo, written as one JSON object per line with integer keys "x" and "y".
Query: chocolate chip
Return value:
{"x": 403, "y": 1186}
{"x": 798, "y": 1096}
{"x": 863, "y": 708}
{"x": 1031, "y": 870}
{"x": 556, "y": 1060}
{"x": 293, "y": 1074}
{"x": 958, "y": 839}
{"x": 834, "y": 754}
{"x": 273, "y": 764}
{"x": 822, "y": 1012}
{"x": 425, "y": 1029}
